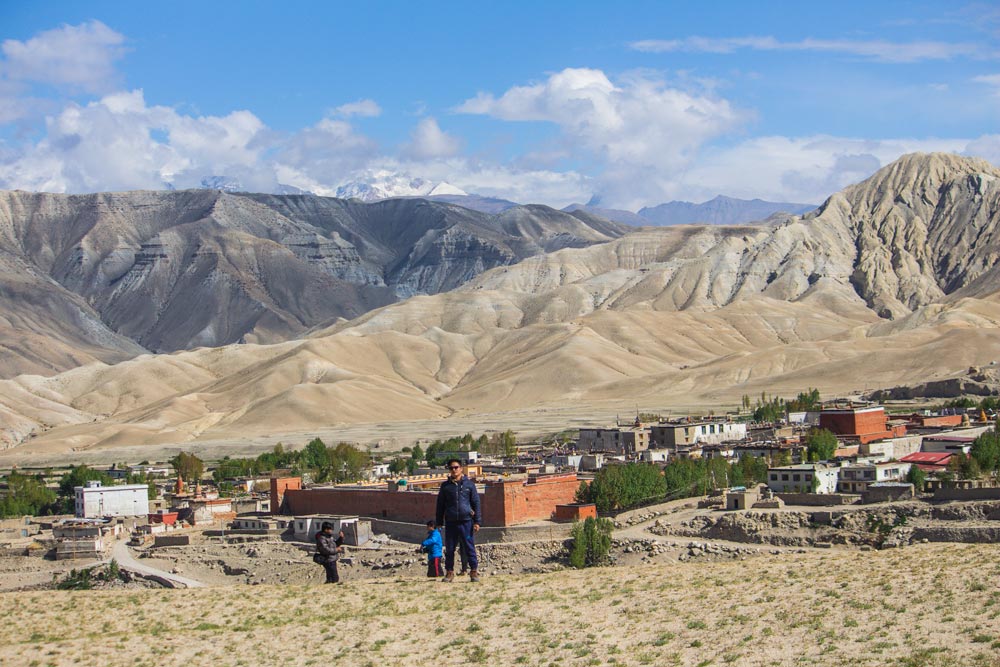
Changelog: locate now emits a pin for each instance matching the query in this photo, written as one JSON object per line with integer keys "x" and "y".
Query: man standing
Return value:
{"x": 458, "y": 510}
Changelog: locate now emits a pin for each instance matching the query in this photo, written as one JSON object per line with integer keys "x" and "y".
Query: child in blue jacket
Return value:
{"x": 433, "y": 546}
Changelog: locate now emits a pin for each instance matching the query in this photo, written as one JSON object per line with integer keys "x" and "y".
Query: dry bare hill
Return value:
{"x": 931, "y": 605}
{"x": 108, "y": 276}
{"x": 892, "y": 281}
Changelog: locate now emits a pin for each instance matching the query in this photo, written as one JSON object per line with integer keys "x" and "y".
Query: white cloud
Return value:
{"x": 880, "y": 50}
{"x": 641, "y": 131}
{"x": 991, "y": 80}
{"x": 986, "y": 147}
{"x": 428, "y": 141}
{"x": 119, "y": 143}
{"x": 363, "y": 108}
{"x": 78, "y": 57}
{"x": 320, "y": 157}
{"x": 797, "y": 169}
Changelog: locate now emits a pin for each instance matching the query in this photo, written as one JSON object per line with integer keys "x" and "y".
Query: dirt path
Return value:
{"x": 123, "y": 556}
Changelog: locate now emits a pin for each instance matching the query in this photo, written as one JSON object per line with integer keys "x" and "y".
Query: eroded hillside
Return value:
{"x": 866, "y": 292}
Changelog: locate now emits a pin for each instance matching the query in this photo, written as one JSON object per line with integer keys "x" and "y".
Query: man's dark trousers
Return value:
{"x": 459, "y": 534}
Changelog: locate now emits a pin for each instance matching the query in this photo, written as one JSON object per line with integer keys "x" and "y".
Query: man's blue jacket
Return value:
{"x": 433, "y": 544}
{"x": 458, "y": 501}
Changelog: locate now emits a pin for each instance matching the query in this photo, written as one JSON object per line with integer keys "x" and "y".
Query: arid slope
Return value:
{"x": 933, "y": 605}
{"x": 892, "y": 281}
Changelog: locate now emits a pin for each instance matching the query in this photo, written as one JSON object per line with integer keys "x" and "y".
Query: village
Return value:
{"x": 838, "y": 475}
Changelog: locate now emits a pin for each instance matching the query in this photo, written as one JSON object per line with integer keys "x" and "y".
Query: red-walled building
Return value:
{"x": 504, "y": 502}
{"x": 933, "y": 421}
{"x": 278, "y": 487}
{"x": 861, "y": 424}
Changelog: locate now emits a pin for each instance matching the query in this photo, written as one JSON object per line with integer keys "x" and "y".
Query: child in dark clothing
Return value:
{"x": 433, "y": 547}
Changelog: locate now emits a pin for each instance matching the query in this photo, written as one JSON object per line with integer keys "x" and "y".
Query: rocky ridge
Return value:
{"x": 863, "y": 293}
{"x": 127, "y": 267}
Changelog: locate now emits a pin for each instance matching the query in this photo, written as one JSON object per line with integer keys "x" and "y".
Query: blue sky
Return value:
{"x": 633, "y": 103}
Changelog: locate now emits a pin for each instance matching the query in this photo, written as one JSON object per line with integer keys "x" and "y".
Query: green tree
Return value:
{"x": 27, "y": 495}
{"x": 591, "y": 542}
{"x": 508, "y": 444}
{"x": 314, "y": 455}
{"x": 397, "y": 466}
{"x": 769, "y": 410}
{"x": 188, "y": 466}
{"x": 806, "y": 400}
{"x": 617, "y": 487}
{"x": 79, "y": 476}
{"x": 917, "y": 478}
{"x": 820, "y": 445}
{"x": 986, "y": 450}
{"x": 417, "y": 453}
{"x": 346, "y": 462}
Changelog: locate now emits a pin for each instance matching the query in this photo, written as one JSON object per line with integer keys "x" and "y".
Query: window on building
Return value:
{"x": 796, "y": 477}
{"x": 784, "y": 477}
{"x": 808, "y": 477}
{"x": 774, "y": 477}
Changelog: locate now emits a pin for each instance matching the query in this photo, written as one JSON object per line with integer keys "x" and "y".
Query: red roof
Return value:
{"x": 932, "y": 458}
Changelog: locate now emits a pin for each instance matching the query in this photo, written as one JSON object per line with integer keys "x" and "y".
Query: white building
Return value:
{"x": 803, "y": 478}
{"x": 857, "y": 478}
{"x": 654, "y": 456}
{"x": 95, "y": 500}
{"x": 566, "y": 460}
{"x": 673, "y": 435}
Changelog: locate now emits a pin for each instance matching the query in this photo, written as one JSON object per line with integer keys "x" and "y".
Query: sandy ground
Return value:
{"x": 933, "y": 604}
{"x": 389, "y": 436}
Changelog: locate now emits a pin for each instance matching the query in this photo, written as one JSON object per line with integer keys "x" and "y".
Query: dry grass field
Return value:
{"x": 932, "y": 604}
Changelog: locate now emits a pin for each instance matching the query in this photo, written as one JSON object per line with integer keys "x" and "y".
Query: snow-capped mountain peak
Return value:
{"x": 386, "y": 184}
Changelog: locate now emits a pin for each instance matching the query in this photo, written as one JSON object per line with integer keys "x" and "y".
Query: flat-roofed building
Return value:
{"x": 95, "y": 500}
{"x": 857, "y": 478}
{"x": 803, "y": 478}
{"x": 673, "y": 435}
{"x": 861, "y": 424}
{"x": 627, "y": 440}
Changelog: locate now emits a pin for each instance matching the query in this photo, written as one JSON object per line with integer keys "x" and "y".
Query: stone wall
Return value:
{"x": 504, "y": 503}
{"x": 967, "y": 494}
{"x": 413, "y": 532}
{"x": 817, "y": 499}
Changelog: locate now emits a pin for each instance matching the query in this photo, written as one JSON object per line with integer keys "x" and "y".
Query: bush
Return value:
{"x": 591, "y": 543}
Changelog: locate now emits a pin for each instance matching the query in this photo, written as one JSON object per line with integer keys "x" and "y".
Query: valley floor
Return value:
{"x": 929, "y": 604}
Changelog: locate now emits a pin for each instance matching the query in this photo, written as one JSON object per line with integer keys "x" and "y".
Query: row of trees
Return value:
{"x": 774, "y": 408}
{"x": 621, "y": 487}
{"x": 497, "y": 444}
{"x": 341, "y": 463}
{"x": 29, "y": 494}
{"x": 987, "y": 404}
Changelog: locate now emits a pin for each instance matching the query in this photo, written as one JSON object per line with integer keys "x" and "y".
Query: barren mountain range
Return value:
{"x": 108, "y": 276}
{"x": 891, "y": 281}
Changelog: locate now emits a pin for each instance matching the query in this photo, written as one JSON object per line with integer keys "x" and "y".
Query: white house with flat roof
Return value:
{"x": 803, "y": 478}
{"x": 95, "y": 500}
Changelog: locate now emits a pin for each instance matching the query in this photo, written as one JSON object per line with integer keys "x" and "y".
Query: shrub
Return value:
{"x": 591, "y": 543}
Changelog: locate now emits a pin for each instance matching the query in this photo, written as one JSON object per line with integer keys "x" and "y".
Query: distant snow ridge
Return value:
{"x": 386, "y": 184}
{"x": 223, "y": 183}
